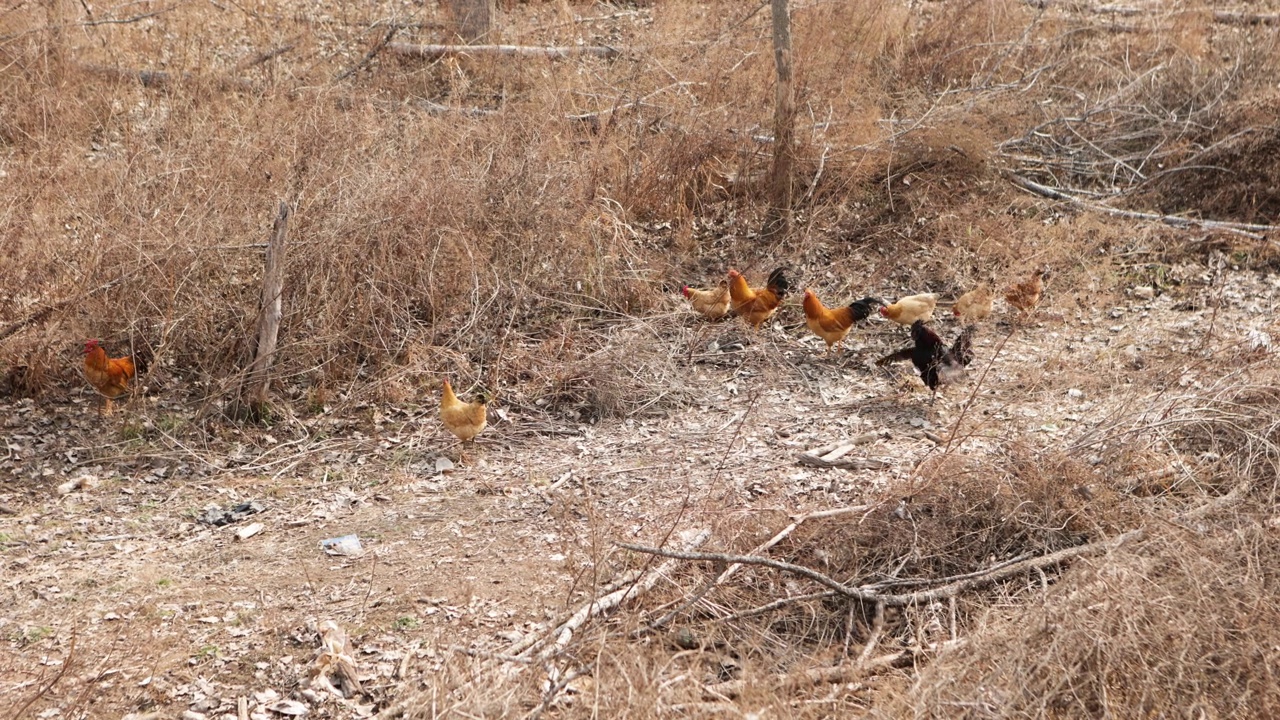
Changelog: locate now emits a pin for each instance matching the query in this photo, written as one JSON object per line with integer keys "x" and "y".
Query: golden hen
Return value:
{"x": 712, "y": 304}
{"x": 1025, "y": 296}
{"x": 975, "y": 305}
{"x": 464, "y": 419}
{"x": 109, "y": 376}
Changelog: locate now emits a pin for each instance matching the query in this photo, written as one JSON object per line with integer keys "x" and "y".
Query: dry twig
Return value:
{"x": 946, "y": 588}
{"x": 1248, "y": 230}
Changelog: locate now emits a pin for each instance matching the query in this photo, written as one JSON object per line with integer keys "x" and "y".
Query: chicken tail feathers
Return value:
{"x": 962, "y": 350}
{"x": 778, "y": 282}
{"x": 862, "y": 309}
{"x": 903, "y": 354}
{"x": 142, "y": 357}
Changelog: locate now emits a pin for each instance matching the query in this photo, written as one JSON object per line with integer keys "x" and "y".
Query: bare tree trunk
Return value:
{"x": 255, "y": 395}
{"x": 473, "y": 18}
{"x": 784, "y": 111}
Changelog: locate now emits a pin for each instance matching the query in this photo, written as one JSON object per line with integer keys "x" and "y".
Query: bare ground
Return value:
{"x": 121, "y": 601}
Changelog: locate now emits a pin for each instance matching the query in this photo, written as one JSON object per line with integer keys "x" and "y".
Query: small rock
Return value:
{"x": 1259, "y": 340}
{"x": 1144, "y": 292}
{"x": 249, "y": 531}
{"x": 1075, "y": 393}
{"x": 289, "y": 707}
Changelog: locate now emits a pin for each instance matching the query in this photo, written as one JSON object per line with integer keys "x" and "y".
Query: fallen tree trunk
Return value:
{"x": 435, "y": 52}
{"x": 1234, "y": 17}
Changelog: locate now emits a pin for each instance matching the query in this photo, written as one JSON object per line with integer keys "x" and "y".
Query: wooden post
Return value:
{"x": 784, "y": 111}
{"x": 255, "y": 396}
{"x": 473, "y": 18}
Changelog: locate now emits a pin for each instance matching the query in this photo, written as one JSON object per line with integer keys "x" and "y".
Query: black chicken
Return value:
{"x": 936, "y": 363}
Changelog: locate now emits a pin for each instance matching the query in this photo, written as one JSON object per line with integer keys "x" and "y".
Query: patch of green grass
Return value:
{"x": 408, "y": 622}
{"x": 170, "y": 423}
{"x": 31, "y": 635}
{"x": 132, "y": 431}
{"x": 208, "y": 651}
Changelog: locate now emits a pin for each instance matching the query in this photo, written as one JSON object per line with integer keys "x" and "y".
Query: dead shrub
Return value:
{"x": 1224, "y": 173}
{"x": 1181, "y": 622}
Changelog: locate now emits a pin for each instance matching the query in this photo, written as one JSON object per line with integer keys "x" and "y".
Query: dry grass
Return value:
{"x": 1178, "y": 616}
{"x": 443, "y": 230}
{"x": 462, "y": 217}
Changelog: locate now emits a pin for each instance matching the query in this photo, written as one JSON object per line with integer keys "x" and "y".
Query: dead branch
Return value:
{"x": 1234, "y": 17}
{"x": 1248, "y": 230}
{"x": 435, "y": 52}
{"x": 259, "y": 378}
{"x": 780, "y": 602}
{"x": 126, "y": 20}
{"x": 1230, "y": 17}
{"x": 815, "y": 676}
{"x": 796, "y": 522}
{"x": 877, "y": 630}
{"x": 784, "y": 112}
{"x": 871, "y": 594}
{"x": 164, "y": 78}
{"x": 369, "y": 56}
{"x": 832, "y": 455}
{"x": 563, "y": 633}
{"x": 266, "y": 55}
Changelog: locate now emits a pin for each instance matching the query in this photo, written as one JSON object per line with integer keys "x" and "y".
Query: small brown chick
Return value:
{"x": 975, "y": 305}
{"x": 1025, "y": 296}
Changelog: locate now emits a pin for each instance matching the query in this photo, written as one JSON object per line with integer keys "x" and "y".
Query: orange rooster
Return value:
{"x": 759, "y": 304}
{"x": 833, "y": 325}
{"x": 464, "y": 419}
{"x": 974, "y": 305}
{"x": 1025, "y": 296}
{"x": 713, "y": 304}
{"x": 109, "y": 376}
{"x": 911, "y": 308}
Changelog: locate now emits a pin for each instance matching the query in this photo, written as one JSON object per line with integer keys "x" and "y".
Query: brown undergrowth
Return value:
{"x": 1176, "y": 613}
